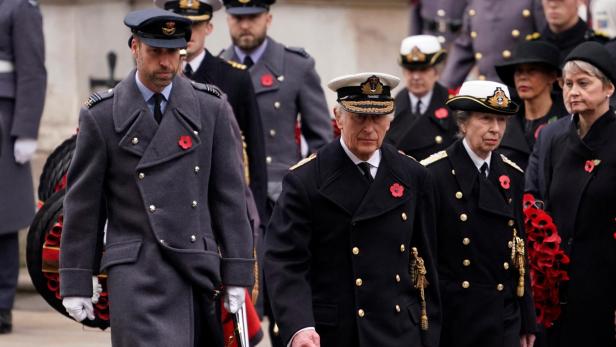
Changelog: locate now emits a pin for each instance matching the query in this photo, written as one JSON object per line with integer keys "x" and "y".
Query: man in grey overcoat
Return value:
{"x": 23, "y": 81}
{"x": 157, "y": 158}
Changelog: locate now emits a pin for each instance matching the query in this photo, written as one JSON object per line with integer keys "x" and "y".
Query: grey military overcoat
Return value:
{"x": 286, "y": 84}
{"x": 174, "y": 199}
{"x": 23, "y": 81}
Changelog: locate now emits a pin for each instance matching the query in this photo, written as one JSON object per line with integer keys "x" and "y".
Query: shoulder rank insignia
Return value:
{"x": 303, "y": 161}
{"x": 406, "y": 155}
{"x": 97, "y": 97}
{"x": 236, "y": 65}
{"x": 208, "y": 88}
{"x": 434, "y": 158}
{"x": 511, "y": 163}
{"x": 533, "y": 36}
{"x": 298, "y": 50}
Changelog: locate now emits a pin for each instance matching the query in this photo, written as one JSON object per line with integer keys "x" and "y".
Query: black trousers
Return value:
{"x": 9, "y": 269}
{"x": 208, "y": 328}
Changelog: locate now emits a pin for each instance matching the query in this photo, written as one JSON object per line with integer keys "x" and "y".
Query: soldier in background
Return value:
{"x": 422, "y": 123}
{"x": 491, "y": 30}
{"x": 441, "y": 18}
{"x": 23, "y": 82}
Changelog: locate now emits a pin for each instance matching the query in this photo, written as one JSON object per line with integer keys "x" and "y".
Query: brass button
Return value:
{"x": 197, "y": 169}
{"x": 526, "y": 13}
{"x": 515, "y": 33}
{"x": 277, "y": 105}
{"x": 404, "y": 216}
{"x": 268, "y": 160}
{"x": 500, "y": 287}
{"x": 162, "y": 242}
{"x": 152, "y": 208}
{"x": 355, "y": 250}
{"x": 506, "y": 265}
{"x": 272, "y": 132}
{"x": 196, "y": 133}
{"x": 453, "y": 172}
{"x": 438, "y": 139}
{"x": 134, "y": 141}
{"x": 510, "y": 244}
{"x": 276, "y": 330}
{"x": 466, "y": 241}
{"x": 359, "y": 282}
{"x": 141, "y": 175}
{"x": 473, "y": 34}
{"x": 466, "y": 262}
{"x": 281, "y": 78}
{"x": 478, "y": 56}
{"x": 463, "y": 217}
{"x": 398, "y": 308}
{"x": 440, "y": 13}
{"x": 194, "y": 204}
{"x": 510, "y": 200}
{"x": 402, "y": 248}
{"x": 361, "y": 313}
{"x": 510, "y": 222}
{"x": 459, "y": 195}
{"x": 465, "y": 284}
{"x": 506, "y": 54}
{"x": 472, "y": 12}
{"x": 193, "y": 238}
{"x": 397, "y": 278}
{"x": 482, "y": 77}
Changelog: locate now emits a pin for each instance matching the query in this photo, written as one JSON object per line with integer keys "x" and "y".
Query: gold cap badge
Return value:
{"x": 169, "y": 28}
{"x": 499, "y": 99}
{"x": 372, "y": 86}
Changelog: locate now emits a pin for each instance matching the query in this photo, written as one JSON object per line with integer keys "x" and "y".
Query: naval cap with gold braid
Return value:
{"x": 421, "y": 51}
{"x": 365, "y": 93}
{"x": 484, "y": 96}
{"x": 195, "y": 10}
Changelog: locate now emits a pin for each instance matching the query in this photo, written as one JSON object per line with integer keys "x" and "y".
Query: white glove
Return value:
{"x": 234, "y": 298}
{"x": 79, "y": 307}
{"x": 97, "y": 288}
{"x": 24, "y": 149}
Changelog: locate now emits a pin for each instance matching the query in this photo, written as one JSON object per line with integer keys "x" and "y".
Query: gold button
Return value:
{"x": 404, "y": 216}
{"x": 361, "y": 313}
{"x": 397, "y": 278}
{"x": 510, "y": 244}
{"x": 277, "y": 105}
{"x": 402, "y": 248}
{"x": 134, "y": 141}
{"x": 510, "y": 200}
{"x": 515, "y": 33}
{"x": 197, "y": 169}
{"x": 466, "y": 262}
{"x": 510, "y": 222}
{"x": 459, "y": 195}
{"x": 355, "y": 250}
{"x": 196, "y": 133}
{"x": 141, "y": 175}
{"x": 473, "y": 34}
{"x": 359, "y": 282}
{"x": 276, "y": 330}
{"x": 398, "y": 308}
{"x": 193, "y": 238}
{"x": 500, "y": 287}
{"x": 463, "y": 217}
{"x": 466, "y": 241}
{"x": 526, "y": 13}
{"x": 478, "y": 56}
{"x": 281, "y": 78}
{"x": 506, "y": 265}
{"x": 472, "y": 12}
{"x": 162, "y": 242}
{"x": 440, "y": 13}
{"x": 152, "y": 208}
{"x": 272, "y": 132}
{"x": 465, "y": 284}
{"x": 506, "y": 54}
{"x": 194, "y": 204}
{"x": 453, "y": 172}
{"x": 268, "y": 160}
{"x": 438, "y": 139}
{"x": 482, "y": 77}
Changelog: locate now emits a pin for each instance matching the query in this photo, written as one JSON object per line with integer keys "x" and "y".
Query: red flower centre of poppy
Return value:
{"x": 441, "y": 113}
{"x": 185, "y": 142}
{"x": 589, "y": 166}
{"x": 396, "y": 190}
{"x": 504, "y": 181}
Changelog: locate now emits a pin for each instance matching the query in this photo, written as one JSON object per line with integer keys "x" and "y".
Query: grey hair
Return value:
{"x": 573, "y": 66}
{"x": 461, "y": 118}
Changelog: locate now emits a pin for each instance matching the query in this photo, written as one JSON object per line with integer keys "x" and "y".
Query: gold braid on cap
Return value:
{"x": 499, "y": 99}
{"x": 356, "y": 106}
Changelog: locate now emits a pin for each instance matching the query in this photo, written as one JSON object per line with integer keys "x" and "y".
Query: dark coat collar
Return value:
{"x": 597, "y": 136}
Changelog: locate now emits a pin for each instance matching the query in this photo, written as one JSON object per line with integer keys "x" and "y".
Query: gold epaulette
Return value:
{"x": 236, "y": 65}
{"x": 511, "y": 163}
{"x": 406, "y": 155}
{"x": 303, "y": 161}
{"x": 533, "y": 36}
{"x": 433, "y": 158}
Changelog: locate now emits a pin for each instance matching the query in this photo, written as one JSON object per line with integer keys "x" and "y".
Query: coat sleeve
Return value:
{"x": 461, "y": 57}
{"x": 82, "y": 234}
{"x": 228, "y": 204}
{"x": 316, "y": 123}
{"x": 30, "y": 73}
{"x": 287, "y": 258}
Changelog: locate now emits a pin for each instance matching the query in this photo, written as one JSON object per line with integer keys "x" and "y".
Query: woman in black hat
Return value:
{"x": 532, "y": 71}
{"x": 483, "y": 273}
{"x": 581, "y": 196}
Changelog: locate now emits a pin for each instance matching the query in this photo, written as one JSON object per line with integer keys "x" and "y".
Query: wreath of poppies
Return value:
{"x": 548, "y": 262}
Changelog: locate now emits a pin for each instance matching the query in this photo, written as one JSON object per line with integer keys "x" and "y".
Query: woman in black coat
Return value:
{"x": 581, "y": 195}
{"x": 483, "y": 275}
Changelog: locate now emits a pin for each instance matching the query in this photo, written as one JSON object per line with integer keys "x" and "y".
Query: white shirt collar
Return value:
{"x": 374, "y": 160}
{"x": 475, "y": 158}
{"x": 195, "y": 62}
{"x": 425, "y": 101}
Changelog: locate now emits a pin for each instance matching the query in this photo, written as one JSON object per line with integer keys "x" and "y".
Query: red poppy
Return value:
{"x": 614, "y": 235}
{"x": 441, "y": 113}
{"x": 185, "y": 142}
{"x": 589, "y": 166}
{"x": 267, "y": 80}
{"x": 504, "y": 181}
{"x": 396, "y": 190}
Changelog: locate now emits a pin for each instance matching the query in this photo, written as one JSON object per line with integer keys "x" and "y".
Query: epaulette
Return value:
{"x": 511, "y": 163}
{"x": 406, "y": 155}
{"x": 97, "y": 97}
{"x": 236, "y": 65}
{"x": 534, "y": 36}
{"x": 208, "y": 88}
{"x": 303, "y": 161}
{"x": 298, "y": 50}
{"x": 434, "y": 158}
{"x": 598, "y": 36}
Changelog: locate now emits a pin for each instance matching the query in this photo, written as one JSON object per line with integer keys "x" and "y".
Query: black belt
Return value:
{"x": 442, "y": 25}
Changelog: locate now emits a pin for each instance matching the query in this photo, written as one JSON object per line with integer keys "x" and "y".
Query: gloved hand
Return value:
{"x": 234, "y": 298}
{"x": 24, "y": 149}
{"x": 79, "y": 307}
{"x": 97, "y": 288}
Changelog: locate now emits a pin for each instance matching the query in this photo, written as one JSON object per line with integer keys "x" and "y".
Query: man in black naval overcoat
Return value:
{"x": 348, "y": 260}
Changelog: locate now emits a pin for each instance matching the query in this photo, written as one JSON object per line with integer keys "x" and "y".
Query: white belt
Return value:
{"x": 6, "y": 66}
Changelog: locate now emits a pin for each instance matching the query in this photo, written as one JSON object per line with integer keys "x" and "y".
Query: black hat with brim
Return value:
{"x": 483, "y": 96}
{"x": 159, "y": 28}
{"x": 596, "y": 55}
{"x": 529, "y": 52}
{"x": 247, "y": 7}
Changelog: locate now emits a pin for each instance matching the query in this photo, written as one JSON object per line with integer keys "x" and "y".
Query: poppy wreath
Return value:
{"x": 548, "y": 262}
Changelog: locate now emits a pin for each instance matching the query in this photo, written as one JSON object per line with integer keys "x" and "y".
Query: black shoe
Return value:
{"x": 6, "y": 322}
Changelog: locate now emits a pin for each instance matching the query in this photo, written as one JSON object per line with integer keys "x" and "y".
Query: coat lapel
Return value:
{"x": 207, "y": 71}
{"x": 267, "y": 71}
{"x": 514, "y": 135}
{"x": 439, "y": 96}
{"x": 493, "y": 197}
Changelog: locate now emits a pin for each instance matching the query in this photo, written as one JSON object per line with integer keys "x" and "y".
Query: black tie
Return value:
{"x": 418, "y": 107}
{"x": 248, "y": 62}
{"x": 188, "y": 71}
{"x": 158, "y": 115}
{"x": 484, "y": 169}
{"x": 365, "y": 169}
